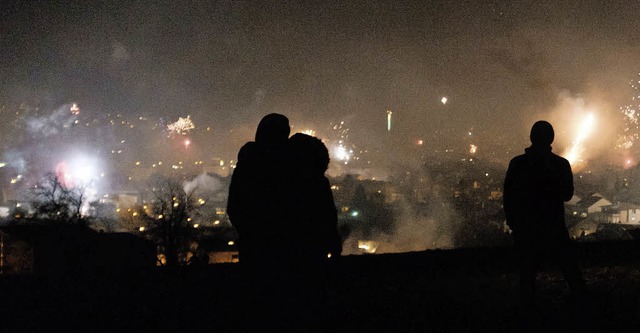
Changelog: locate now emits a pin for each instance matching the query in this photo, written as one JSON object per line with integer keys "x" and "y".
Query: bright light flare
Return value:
{"x": 75, "y": 109}
{"x": 444, "y": 100}
{"x": 340, "y": 148}
{"x": 309, "y": 132}
{"x": 367, "y": 246}
{"x": 341, "y": 153}
{"x": 78, "y": 171}
{"x": 575, "y": 152}
{"x": 389, "y": 113}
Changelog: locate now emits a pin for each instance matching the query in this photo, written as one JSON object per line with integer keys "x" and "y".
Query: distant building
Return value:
{"x": 110, "y": 203}
{"x": 624, "y": 213}
{"x": 574, "y": 200}
{"x": 219, "y": 245}
{"x": 588, "y": 206}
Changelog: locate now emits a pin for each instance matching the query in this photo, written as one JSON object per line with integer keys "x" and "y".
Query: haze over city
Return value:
{"x": 226, "y": 64}
{"x": 111, "y": 92}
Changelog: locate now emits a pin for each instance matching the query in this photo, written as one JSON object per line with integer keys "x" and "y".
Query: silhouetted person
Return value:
{"x": 313, "y": 210}
{"x": 315, "y": 240}
{"x": 257, "y": 207}
{"x": 257, "y": 192}
{"x": 282, "y": 206}
{"x": 536, "y": 186}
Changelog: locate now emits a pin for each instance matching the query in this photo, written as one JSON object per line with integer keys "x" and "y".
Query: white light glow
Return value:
{"x": 575, "y": 151}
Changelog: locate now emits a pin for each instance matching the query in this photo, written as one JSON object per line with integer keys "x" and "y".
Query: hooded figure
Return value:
{"x": 313, "y": 212}
{"x": 314, "y": 236}
{"x": 536, "y": 186}
{"x": 257, "y": 192}
{"x": 257, "y": 206}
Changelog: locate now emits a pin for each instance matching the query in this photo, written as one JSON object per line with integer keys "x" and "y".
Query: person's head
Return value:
{"x": 273, "y": 130}
{"x": 541, "y": 134}
{"x": 310, "y": 152}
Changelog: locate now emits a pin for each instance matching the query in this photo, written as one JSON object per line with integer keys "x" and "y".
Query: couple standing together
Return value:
{"x": 281, "y": 204}
{"x": 282, "y": 207}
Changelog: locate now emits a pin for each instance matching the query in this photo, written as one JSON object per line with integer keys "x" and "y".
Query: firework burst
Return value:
{"x": 341, "y": 149}
{"x": 181, "y": 127}
{"x": 631, "y": 112}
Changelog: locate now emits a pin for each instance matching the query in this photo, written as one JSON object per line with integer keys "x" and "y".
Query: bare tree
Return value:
{"x": 52, "y": 199}
{"x": 168, "y": 217}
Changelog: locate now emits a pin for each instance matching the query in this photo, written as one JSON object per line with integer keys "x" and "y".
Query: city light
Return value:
{"x": 75, "y": 109}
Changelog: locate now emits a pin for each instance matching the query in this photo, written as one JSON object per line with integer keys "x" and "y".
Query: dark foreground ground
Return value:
{"x": 465, "y": 290}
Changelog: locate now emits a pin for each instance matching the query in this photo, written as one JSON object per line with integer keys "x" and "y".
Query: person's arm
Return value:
{"x": 239, "y": 187}
{"x": 234, "y": 210}
{"x": 507, "y": 196}
{"x": 567, "y": 181}
{"x": 332, "y": 236}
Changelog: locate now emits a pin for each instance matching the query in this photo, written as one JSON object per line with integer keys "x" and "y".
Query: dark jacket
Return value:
{"x": 536, "y": 186}
{"x": 257, "y": 199}
{"x": 313, "y": 213}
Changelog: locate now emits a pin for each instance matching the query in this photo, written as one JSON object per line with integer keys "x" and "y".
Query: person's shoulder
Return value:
{"x": 323, "y": 181}
{"x": 561, "y": 160}
{"x": 248, "y": 151}
{"x": 518, "y": 159}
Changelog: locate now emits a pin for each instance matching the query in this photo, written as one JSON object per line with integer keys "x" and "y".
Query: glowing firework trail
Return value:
{"x": 574, "y": 153}
{"x": 389, "y": 120}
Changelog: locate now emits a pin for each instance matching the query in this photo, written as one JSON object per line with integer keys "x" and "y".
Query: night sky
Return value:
{"x": 502, "y": 65}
